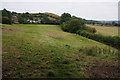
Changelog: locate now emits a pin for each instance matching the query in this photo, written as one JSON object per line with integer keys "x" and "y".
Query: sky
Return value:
{"x": 91, "y": 10}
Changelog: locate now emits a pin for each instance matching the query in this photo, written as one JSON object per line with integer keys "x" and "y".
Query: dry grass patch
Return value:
{"x": 105, "y": 30}
{"x": 53, "y": 34}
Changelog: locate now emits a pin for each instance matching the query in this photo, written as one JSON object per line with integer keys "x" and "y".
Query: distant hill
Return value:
{"x": 102, "y": 23}
{"x": 48, "y": 18}
{"x": 109, "y": 21}
{"x": 52, "y": 14}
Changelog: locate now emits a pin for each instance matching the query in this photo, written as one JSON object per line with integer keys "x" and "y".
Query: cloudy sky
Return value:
{"x": 92, "y": 10}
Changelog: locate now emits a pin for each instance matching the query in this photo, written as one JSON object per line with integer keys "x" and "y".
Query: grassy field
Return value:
{"x": 45, "y": 51}
{"x": 51, "y": 14}
{"x": 105, "y": 30}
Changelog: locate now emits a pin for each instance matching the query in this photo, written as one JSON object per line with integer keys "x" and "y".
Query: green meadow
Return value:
{"x": 45, "y": 51}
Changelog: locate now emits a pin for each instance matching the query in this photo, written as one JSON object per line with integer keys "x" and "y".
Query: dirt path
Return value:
{"x": 104, "y": 70}
{"x": 53, "y": 34}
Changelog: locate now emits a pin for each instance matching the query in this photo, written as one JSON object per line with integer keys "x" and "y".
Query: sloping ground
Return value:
{"x": 42, "y": 51}
{"x": 107, "y": 30}
{"x": 51, "y": 14}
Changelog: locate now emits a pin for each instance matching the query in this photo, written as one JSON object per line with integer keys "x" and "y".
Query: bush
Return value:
{"x": 72, "y": 25}
{"x": 90, "y": 29}
{"x": 113, "y": 41}
{"x": 6, "y": 20}
{"x": 64, "y": 17}
{"x": 51, "y": 73}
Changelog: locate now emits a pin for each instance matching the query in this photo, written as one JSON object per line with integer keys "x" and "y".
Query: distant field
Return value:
{"x": 51, "y": 14}
{"x": 112, "y": 31}
{"x": 45, "y": 51}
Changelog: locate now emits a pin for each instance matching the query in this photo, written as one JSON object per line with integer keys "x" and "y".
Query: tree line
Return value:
{"x": 113, "y": 41}
{"x": 28, "y": 18}
{"x": 42, "y": 18}
{"x": 102, "y": 23}
{"x": 73, "y": 24}
{"x": 77, "y": 25}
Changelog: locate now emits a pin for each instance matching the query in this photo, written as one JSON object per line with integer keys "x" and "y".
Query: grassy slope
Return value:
{"x": 112, "y": 31}
{"x": 46, "y": 51}
{"x": 51, "y": 14}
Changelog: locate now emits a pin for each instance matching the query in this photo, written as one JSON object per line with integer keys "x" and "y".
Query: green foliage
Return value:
{"x": 38, "y": 18}
{"x": 6, "y": 20}
{"x": 109, "y": 40}
{"x": 90, "y": 29}
{"x": 65, "y": 17}
{"x": 22, "y": 20}
{"x": 99, "y": 52}
{"x": 51, "y": 14}
{"x": 6, "y": 13}
{"x": 51, "y": 73}
{"x": 28, "y": 18}
{"x": 114, "y": 23}
{"x": 13, "y": 13}
{"x": 31, "y": 17}
{"x": 6, "y": 17}
{"x": 72, "y": 25}
{"x": 45, "y": 20}
{"x": 82, "y": 21}
{"x": 102, "y": 23}
{"x": 26, "y": 15}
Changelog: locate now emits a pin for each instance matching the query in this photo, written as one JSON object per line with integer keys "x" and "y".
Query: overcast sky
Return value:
{"x": 88, "y": 10}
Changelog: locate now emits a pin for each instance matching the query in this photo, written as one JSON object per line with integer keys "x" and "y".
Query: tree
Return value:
{"x": 6, "y": 17}
{"x": 6, "y": 20}
{"x": 26, "y": 15}
{"x": 114, "y": 23}
{"x": 65, "y": 17}
{"x": 31, "y": 17}
{"x": 45, "y": 20}
{"x": 90, "y": 29}
{"x": 82, "y": 21}
{"x": 72, "y": 25}
{"x": 6, "y": 13}
{"x": 22, "y": 20}
{"x": 13, "y": 13}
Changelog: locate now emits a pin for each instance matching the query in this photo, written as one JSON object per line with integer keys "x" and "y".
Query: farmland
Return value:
{"x": 107, "y": 30}
{"x": 45, "y": 51}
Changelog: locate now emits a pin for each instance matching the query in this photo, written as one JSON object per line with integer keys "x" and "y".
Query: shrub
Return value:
{"x": 90, "y": 29}
{"x": 72, "y": 25}
{"x": 6, "y": 20}
{"x": 113, "y": 41}
{"x": 90, "y": 52}
{"x": 65, "y": 17}
{"x": 51, "y": 73}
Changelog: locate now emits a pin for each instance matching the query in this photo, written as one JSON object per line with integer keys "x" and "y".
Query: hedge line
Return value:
{"x": 113, "y": 41}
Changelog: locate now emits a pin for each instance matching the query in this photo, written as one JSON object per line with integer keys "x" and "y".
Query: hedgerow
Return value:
{"x": 113, "y": 41}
